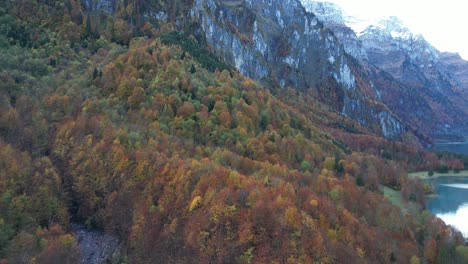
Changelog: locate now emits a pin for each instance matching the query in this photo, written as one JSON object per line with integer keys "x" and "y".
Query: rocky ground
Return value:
{"x": 96, "y": 247}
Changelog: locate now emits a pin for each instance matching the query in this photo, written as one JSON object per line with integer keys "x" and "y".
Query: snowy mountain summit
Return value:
{"x": 328, "y": 12}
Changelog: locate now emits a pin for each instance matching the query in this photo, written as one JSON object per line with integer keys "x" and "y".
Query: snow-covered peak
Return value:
{"x": 335, "y": 19}
{"x": 331, "y": 13}
{"x": 390, "y": 33}
{"x": 392, "y": 26}
{"x": 325, "y": 11}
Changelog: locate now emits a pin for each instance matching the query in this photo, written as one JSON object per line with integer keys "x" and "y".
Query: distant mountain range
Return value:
{"x": 426, "y": 87}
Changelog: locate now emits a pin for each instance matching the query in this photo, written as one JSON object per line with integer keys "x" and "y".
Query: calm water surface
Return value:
{"x": 458, "y": 147}
{"x": 451, "y": 204}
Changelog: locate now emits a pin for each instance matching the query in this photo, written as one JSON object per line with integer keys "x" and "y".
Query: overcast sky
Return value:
{"x": 443, "y": 23}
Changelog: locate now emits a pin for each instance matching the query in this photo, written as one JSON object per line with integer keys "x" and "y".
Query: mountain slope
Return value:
{"x": 280, "y": 44}
{"x": 185, "y": 164}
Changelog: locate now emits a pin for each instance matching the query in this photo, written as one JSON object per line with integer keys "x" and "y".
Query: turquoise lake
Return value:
{"x": 457, "y": 147}
{"x": 451, "y": 204}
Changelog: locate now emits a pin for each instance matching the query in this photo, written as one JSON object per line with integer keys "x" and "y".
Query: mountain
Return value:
{"x": 278, "y": 43}
{"x": 125, "y": 118}
{"x": 457, "y": 68}
{"x": 415, "y": 63}
{"x": 282, "y": 45}
{"x": 410, "y": 75}
{"x": 333, "y": 18}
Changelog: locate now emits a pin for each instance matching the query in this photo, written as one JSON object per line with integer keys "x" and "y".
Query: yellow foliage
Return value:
{"x": 360, "y": 252}
{"x": 196, "y": 203}
{"x": 325, "y": 173}
{"x": 329, "y": 163}
{"x": 234, "y": 178}
{"x": 173, "y": 226}
{"x": 67, "y": 241}
{"x": 293, "y": 218}
{"x": 292, "y": 259}
{"x": 279, "y": 200}
{"x": 307, "y": 221}
{"x": 415, "y": 260}
{"x": 333, "y": 234}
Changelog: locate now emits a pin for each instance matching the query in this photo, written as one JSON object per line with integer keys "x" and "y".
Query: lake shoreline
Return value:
{"x": 424, "y": 175}
{"x": 460, "y": 147}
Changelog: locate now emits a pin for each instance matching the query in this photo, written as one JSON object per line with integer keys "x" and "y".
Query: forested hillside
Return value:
{"x": 137, "y": 129}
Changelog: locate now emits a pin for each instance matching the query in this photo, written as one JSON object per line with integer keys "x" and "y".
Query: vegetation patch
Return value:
{"x": 207, "y": 59}
{"x": 394, "y": 197}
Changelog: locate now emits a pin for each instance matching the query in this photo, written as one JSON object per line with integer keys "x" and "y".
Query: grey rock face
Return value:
{"x": 457, "y": 69}
{"x": 333, "y": 18}
{"x": 107, "y": 6}
{"x": 327, "y": 12}
{"x": 278, "y": 38}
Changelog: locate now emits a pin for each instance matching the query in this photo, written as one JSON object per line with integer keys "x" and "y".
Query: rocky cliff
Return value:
{"x": 457, "y": 68}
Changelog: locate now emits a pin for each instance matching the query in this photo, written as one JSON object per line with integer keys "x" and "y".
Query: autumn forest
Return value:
{"x": 137, "y": 129}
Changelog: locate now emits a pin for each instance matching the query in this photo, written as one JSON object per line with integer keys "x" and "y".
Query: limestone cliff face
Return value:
{"x": 278, "y": 39}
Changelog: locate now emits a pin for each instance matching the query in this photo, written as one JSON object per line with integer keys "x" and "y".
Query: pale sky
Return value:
{"x": 444, "y": 24}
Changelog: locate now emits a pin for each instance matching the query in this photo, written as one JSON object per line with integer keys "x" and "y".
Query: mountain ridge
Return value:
{"x": 414, "y": 63}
